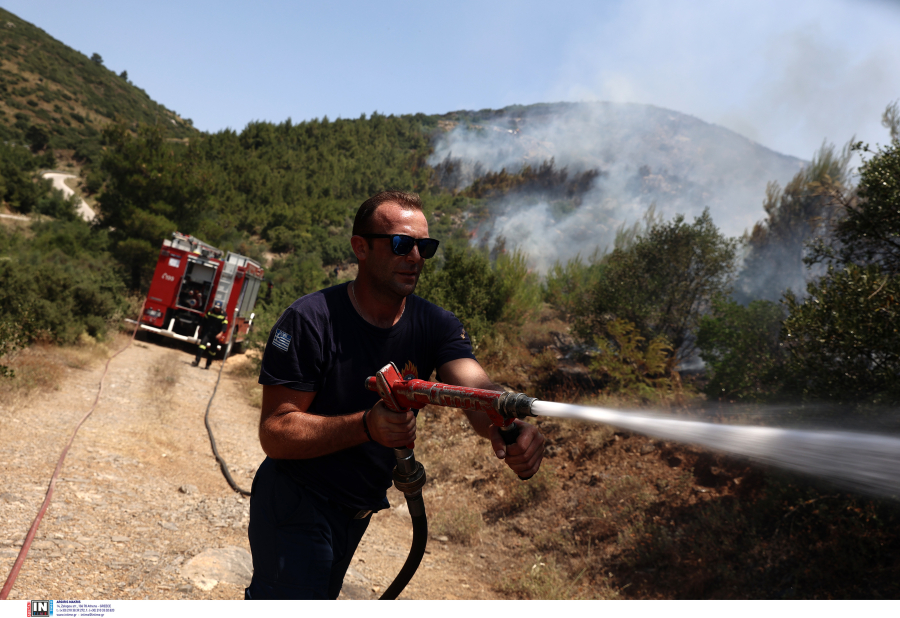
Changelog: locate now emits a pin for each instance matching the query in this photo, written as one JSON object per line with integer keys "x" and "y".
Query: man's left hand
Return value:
{"x": 525, "y": 456}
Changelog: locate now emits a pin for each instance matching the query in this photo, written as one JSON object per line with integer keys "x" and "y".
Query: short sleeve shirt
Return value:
{"x": 320, "y": 343}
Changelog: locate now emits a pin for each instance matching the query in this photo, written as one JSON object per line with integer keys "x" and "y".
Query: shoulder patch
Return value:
{"x": 281, "y": 340}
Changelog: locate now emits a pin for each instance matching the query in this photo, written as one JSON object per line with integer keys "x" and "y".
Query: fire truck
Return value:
{"x": 190, "y": 277}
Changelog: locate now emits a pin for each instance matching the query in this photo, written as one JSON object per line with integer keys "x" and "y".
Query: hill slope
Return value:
{"x": 45, "y": 84}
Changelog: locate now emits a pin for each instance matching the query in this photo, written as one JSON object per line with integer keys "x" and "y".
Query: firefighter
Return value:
{"x": 214, "y": 323}
{"x": 329, "y": 442}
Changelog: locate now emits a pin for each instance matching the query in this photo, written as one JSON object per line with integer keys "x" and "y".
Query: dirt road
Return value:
{"x": 59, "y": 182}
{"x": 142, "y": 510}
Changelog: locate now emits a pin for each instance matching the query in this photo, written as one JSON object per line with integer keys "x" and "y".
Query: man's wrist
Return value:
{"x": 366, "y": 425}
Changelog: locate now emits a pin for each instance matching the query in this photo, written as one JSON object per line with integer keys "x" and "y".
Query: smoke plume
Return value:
{"x": 645, "y": 155}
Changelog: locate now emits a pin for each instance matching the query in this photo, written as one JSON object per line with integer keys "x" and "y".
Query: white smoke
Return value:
{"x": 786, "y": 74}
{"x": 547, "y": 238}
{"x": 646, "y": 155}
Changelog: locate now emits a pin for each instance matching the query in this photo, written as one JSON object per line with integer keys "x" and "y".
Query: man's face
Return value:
{"x": 397, "y": 273}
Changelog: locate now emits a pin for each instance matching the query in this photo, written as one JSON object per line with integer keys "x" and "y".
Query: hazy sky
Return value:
{"x": 786, "y": 74}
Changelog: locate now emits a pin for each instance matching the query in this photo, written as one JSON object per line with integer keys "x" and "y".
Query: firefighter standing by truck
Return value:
{"x": 330, "y": 442}
{"x": 214, "y": 323}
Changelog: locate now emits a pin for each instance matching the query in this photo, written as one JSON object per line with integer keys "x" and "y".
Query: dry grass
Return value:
{"x": 155, "y": 423}
{"x": 460, "y": 525}
{"x": 514, "y": 494}
{"x": 41, "y": 367}
{"x": 87, "y": 351}
{"x": 545, "y": 580}
{"x": 38, "y": 367}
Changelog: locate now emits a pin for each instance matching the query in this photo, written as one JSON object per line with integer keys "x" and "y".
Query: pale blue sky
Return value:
{"x": 786, "y": 74}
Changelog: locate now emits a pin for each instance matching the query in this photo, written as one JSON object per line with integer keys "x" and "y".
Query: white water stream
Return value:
{"x": 861, "y": 462}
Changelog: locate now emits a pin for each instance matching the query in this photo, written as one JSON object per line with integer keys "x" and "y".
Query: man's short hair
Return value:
{"x": 363, "y": 220}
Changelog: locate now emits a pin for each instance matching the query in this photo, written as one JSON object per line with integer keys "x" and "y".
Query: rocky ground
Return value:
{"x": 141, "y": 509}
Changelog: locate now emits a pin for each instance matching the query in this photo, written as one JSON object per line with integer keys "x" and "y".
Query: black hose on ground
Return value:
{"x": 212, "y": 439}
{"x": 409, "y": 478}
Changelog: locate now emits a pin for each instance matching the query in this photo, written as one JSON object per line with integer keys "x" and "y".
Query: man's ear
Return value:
{"x": 360, "y": 247}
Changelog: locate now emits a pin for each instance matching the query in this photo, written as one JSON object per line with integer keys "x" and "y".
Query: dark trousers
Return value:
{"x": 301, "y": 543}
{"x": 207, "y": 344}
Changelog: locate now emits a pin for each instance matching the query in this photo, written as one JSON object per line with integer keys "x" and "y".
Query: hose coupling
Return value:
{"x": 515, "y": 405}
{"x": 409, "y": 475}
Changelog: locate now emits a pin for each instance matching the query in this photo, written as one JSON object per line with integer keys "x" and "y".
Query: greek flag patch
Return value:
{"x": 281, "y": 340}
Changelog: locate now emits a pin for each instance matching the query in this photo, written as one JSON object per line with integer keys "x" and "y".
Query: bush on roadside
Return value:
{"x": 59, "y": 283}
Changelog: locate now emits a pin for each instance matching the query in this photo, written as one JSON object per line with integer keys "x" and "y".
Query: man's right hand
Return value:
{"x": 389, "y": 428}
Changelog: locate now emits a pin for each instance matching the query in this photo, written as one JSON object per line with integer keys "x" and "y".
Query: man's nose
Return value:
{"x": 414, "y": 255}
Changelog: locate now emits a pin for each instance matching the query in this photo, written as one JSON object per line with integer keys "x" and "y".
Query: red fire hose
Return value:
{"x": 26, "y": 544}
{"x": 409, "y": 476}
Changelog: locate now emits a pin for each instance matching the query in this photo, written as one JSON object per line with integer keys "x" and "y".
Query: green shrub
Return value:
{"x": 627, "y": 363}
{"x": 19, "y": 186}
{"x": 56, "y": 206}
{"x": 843, "y": 339}
{"x": 743, "y": 350}
{"x": 662, "y": 282}
{"x": 566, "y": 287}
{"x": 481, "y": 294}
{"x": 12, "y": 339}
{"x": 60, "y": 283}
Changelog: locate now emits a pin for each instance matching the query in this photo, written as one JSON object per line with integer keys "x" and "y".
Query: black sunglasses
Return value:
{"x": 401, "y": 244}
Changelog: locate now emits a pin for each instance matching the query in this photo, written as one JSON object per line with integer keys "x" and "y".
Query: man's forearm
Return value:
{"x": 480, "y": 423}
{"x": 301, "y": 435}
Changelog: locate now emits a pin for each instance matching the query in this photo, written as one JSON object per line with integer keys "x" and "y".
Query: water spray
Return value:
{"x": 866, "y": 463}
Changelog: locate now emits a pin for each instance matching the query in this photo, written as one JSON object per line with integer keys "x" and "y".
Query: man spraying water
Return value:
{"x": 330, "y": 442}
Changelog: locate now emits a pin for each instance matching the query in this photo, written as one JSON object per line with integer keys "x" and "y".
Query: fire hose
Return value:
{"x": 223, "y": 466}
{"x": 403, "y": 395}
{"x": 32, "y": 531}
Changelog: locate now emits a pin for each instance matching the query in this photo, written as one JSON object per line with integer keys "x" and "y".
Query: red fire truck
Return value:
{"x": 190, "y": 276}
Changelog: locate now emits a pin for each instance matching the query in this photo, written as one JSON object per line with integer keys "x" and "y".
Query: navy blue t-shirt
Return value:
{"x": 320, "y": 343}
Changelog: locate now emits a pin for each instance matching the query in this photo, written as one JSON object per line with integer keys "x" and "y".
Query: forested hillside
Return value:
{"x": 53, "y": 96}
